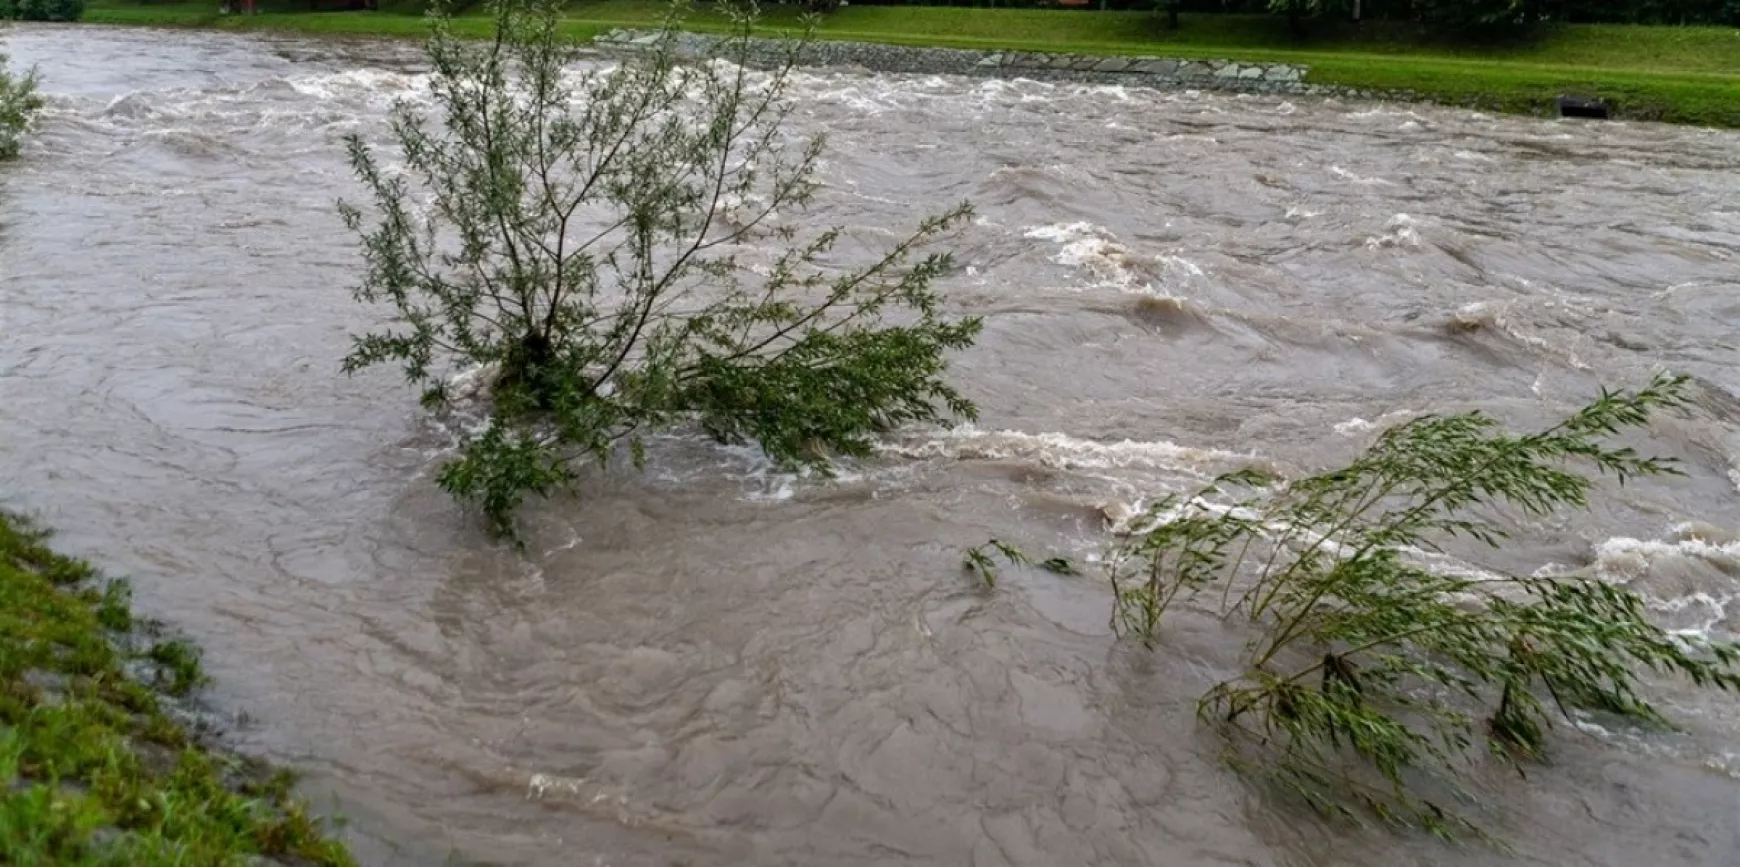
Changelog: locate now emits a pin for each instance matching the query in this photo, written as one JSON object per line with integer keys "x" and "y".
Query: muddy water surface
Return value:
{"x": 713, "y": 664}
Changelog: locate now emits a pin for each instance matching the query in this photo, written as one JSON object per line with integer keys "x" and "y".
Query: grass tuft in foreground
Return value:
{"x": 98, "y": 772}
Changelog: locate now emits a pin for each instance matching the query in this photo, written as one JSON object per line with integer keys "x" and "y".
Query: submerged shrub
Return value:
{"x": 18, "y": 102}
{"x": 1372, "y": 678}
{"x": 598, "y": 245}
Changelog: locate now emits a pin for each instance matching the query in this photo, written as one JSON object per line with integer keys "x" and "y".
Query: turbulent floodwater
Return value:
{"x": 712, "y": 664}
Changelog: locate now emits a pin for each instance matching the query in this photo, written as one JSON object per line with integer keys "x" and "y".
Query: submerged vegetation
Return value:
{"x": 1375, "y": 674}
{"x": 19, "y": 101}
{"x": 587, "y": 245}
{"x": 100, "y": 771}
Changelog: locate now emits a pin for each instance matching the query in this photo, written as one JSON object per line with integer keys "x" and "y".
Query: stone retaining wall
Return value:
{"x": 1141, "y": 71}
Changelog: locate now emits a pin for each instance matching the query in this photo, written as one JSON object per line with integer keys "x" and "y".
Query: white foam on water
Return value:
{"x": 1134, "y": 518}
{"x": 1112, "y": 265}
{"x": 1479, "y": 313}
{"x": 1724, "y": 762}
{"x": 1624, "y": 558}
{"x": 766, "y": 482}
{"x": 1699, "y": 613}
{"x": 1094, "y": 249}
{"x": 1125, "y": 519}
{"x": 1354, "y": 427}
{"x": 1650, "y": 742}
{"x": 466, "y": 414}
{"x": 374, "y": 86}
{"x": 592, "y": 795}
{"x": 1114, "y": 91}
{"x": 1062, "y": 451}
{"x": 998, "y": 87}
{"x": 1105, "y": 259}
{"x": 1489, "y": 314}
{"x": 469, "y": 384}
{"x": 1063, "y": 233}
{"x": 1713, "y": 606}
{"x": 1398, "y": 232}
{"x": 574, "y": 540}
{"x": 1344, "y": 174}
{"x": 1182, "y": 265}
{"x": 856, "y": 98}
{"x": 873, "y": 95}
{"x": 761, "y": 478}
{"x": 1385, "y": 111}
{"x": 341, "y": 100}
{"x": 539, "y": 785}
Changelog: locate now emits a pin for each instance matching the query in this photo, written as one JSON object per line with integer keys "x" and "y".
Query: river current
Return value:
{"x": 716, "y": 664}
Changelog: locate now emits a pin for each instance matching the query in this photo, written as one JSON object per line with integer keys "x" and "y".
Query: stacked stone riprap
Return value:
{"x": 1144, "y": 71}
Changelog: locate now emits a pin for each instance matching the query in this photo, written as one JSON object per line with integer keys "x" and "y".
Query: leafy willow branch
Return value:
{"x": 1363, "y": 651}
{"x": 19, "y": 102}
{"x": 982, "y": 561}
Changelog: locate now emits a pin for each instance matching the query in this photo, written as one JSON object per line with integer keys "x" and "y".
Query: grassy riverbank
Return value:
{"x": 1683, "y": 75}
{"x": 99, "y": 771}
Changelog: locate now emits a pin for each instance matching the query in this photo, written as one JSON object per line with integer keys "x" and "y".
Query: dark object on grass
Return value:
{"x": 1582, "y": 106}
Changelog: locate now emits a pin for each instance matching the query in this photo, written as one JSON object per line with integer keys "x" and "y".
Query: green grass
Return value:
{"x": 99, "y": 773}
{"x": 1683, "y": 75}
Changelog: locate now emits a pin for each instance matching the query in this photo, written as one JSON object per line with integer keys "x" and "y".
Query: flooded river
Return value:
{"x": 714, "y": 664}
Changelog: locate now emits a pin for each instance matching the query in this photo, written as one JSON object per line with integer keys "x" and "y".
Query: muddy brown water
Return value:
{"x": 714, "y": 664}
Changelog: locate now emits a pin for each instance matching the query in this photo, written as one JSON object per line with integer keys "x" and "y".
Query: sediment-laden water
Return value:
{"x": 714, "y": 664}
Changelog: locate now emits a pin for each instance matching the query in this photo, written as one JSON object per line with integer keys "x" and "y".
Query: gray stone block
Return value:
{"x": 1112, "y": 64}
{"x": 1252, "y": 72}
{"x": 1228, "y": 71}
{"x": 1155, "y": 66}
